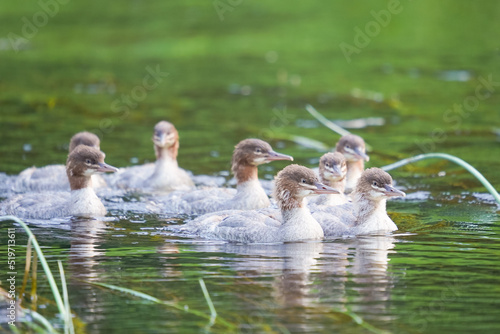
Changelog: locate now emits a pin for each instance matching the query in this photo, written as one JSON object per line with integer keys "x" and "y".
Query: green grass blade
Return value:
{"x": 26, "y": 271}
{"x": 326, "y": 122}
{"x": 46, "y": 268}
{"x": 41, "y": 319}
{"x": 132, "y": 292}
{"x": 358, "y": 320}
{"x": 34, "y": 280}
{"x": 68, "y": 321}
{"x": 302, "y": 141}
{"x": 309, "y": 143}
{"x": 329, "y": 124}
{"x": 163, "y": 302}
{"x": 452, "y": 158}
{"x": 207, "y": 298}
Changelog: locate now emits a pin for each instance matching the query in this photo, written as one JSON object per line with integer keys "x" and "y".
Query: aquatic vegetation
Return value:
{"x": 341, "y": 131}
{"x": 250, "y": 76}
{"x": 63, "y": 306}
{"x": 452, "y": 158}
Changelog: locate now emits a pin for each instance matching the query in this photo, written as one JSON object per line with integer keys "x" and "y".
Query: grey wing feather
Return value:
{"x": 36, "y": 205}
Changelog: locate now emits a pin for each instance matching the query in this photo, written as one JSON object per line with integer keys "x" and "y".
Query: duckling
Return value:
{"x": 82, "y": 163}
{"x": 84, "y": 138}
{"x": 249, "y": 194}
{"x": 53, "y": 177}
{"x": 293, "y": 184}
{"x": 354, "y": 150}
{"x": 332, "y": 172}
{"x": 368, "y": 212}
{"x": 164, "y": 174}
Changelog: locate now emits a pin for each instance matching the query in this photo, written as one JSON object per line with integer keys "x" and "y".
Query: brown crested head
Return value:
{"x": 376, "y": 184}
{"x": 294, "y": 182}
{"x": 166, "y": 140}
{"x": 84, "y": 161}
{"x": 254, "y": 152}
{"x": 165, "y": 134}
{"x": 84, "y": 138}
{"x": 332, "y": 167}
{"x": 352, "y": 147}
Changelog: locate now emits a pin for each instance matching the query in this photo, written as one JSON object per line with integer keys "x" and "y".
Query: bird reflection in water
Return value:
{"x": 311, "y": 277}
{"x": 86, "y": 251}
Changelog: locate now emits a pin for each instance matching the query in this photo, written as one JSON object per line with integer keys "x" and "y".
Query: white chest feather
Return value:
{"x": 299, "y": 224}
{"x": 84, "y": 202}
{"x": 352, "y": 178}
{"x": 354, "y": 171}
{"x": 375, "y": 220}
{"x": 249, "y": 196}
{"x": 168, "y": 176}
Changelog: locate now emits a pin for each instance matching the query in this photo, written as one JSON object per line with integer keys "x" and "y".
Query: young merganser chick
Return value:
{"x": 293, "y": 184}
{"x": 82, "y": 163}
{"x": 84, "y": 138}
{"x": 249, "y": 194}
{"x": 354, "y": 150}
{"x": 368, "y": 213}
{"x": 53, "y": 177}
{"x": 332, "y": 172}
{"x": 164, "y": 174}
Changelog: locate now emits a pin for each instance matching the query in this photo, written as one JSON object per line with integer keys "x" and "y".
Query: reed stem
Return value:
{"x": 452, "y": 158}
{"x": 46, "y": 268}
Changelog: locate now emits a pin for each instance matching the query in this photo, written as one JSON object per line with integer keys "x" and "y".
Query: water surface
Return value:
{"x": 250, "y": 75}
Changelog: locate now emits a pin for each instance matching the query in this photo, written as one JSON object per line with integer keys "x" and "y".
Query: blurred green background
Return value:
{"x": 246, "y": 69}
{"x": 239, "y": 69}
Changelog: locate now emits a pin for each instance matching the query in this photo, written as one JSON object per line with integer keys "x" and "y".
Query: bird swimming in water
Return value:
{"x": 367, "y": 213}
{"x": 53, "y": 177}
{"x": 165, "y": 174}
{"x": 332, "y": 172}
{"x": 294, "y": 223}
{"x": 354, "y": 150}
{"x": 249, "y": 194}
{"x": 82, "y": 163}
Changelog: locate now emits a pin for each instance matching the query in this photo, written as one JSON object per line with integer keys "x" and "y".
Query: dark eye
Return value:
{"x": 348, "y": 146}
{"x": 303, "y": 181}
{"x": 88, "y": 161}
{"x": 375, "y": 183}
{"x": 258, "y": 150}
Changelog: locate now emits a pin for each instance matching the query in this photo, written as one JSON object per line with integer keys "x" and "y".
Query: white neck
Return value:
{"x": 371, "y": 215}
{"x": 354, "y": 171}
{"x": 299, "y": 224}
{"x": 333, "y": 199}
{"x": 84, "y": 202}
{"x": 168, "y": 176}
{"x": 165, "y": 164}
{"x": 164, "y": 168}
{"x": 250, "y": 195}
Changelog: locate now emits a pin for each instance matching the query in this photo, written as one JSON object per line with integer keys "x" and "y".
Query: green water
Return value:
{"x": 250, "y": 75}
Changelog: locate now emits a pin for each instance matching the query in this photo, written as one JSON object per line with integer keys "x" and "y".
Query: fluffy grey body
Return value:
{"x": 367, "y": 214}
{"x": 293, "y": 223}
{"x": 248, "y": 195}
{"x": 82, "y": 163}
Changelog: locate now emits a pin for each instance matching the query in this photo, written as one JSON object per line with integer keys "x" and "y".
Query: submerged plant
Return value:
{"x": 212, "y": 318}
{"x": 64, "y": 309}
